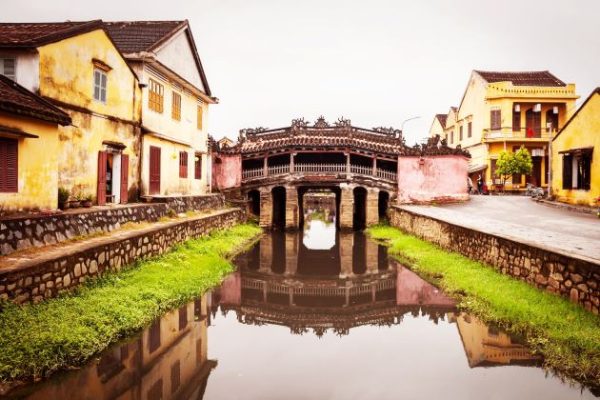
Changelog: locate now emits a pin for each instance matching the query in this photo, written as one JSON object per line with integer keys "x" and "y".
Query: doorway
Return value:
{"x": 113, "y": 174}
{"x": 154, "y": 167}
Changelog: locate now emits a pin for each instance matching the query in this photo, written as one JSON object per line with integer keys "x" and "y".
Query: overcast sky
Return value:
{"x": 377, "y": 62}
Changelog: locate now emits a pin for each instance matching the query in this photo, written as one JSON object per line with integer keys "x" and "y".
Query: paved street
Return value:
{"x": 520, "y": 218}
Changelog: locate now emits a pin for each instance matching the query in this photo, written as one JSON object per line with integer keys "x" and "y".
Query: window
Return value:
{"x": 460, "y": 134}
{"x": 100, "y": 79}
{"x": 198, "y": 166}
{"x": 516, "y": 121}
{"x": 176, "y": 107}
{"x": 577, "y": 170}
{"x": 9, "y": 158}
{"x": 469, "y": 129}
{"x": 183, "y": 164}
{"x": 452, "y": 137}
{"x": 156, "y": 96}
{"x": 199, "y": 116}
{"x": 8, "y": 67}
{"x": 495, "y": 120}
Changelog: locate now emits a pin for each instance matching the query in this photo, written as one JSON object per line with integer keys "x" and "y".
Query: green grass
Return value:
{"x": 36, "y": 340}
{"x": 565, "y": 334}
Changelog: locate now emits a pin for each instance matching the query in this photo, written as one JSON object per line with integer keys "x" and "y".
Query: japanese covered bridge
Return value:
{"x": 365, "y": 169}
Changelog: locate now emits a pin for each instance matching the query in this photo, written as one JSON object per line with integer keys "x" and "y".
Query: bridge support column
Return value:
{"x": 346, "y": 207}
{"x": 291, "y": 254}
{"x": 266, "y": 254}
{"x": 266, "y": 209}
{"x": 291, "y": 208}
{"x": 346, "y": 245}
{"x": 372, "y": 250}
{"x": 372, "y": 207}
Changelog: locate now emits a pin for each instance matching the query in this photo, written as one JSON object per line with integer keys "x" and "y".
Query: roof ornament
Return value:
{"x": 321, "y": 123}
{"x": 342, "y": 123}
{"x": 388, "y": 131}
{"x": 299, "y": 123}
{"x": 253, "y": 131}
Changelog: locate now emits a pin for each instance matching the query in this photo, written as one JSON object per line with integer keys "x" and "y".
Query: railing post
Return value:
{"x": 265, "y": 166}
{"x": 374, "y": 166}
{"x": 347, "y": 163}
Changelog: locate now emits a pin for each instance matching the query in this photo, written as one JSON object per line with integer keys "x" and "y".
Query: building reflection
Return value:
{"x": 167, "y": 361}
{"x": 487, "y": 346}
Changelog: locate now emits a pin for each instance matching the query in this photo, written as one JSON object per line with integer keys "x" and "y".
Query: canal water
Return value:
{"x": 317, "y": 314}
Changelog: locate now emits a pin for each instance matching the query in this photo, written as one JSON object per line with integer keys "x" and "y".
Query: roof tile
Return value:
{"x": 525, "y": 78}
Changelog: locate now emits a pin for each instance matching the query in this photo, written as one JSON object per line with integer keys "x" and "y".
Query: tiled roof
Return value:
{"x": 37, "y": 34}
{"x": 442, "y": 118}
{"x": 526, "y": 78}
{"x": 138, "y": 36}
{"x": 15, "y": 99}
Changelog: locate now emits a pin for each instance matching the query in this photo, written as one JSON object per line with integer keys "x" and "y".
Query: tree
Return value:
{"x": 518, "y": 163}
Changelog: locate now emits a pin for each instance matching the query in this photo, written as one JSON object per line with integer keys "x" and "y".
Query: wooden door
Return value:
{"x": 101, "y": 192}
{"x": 154, "y": 170}
{"x": 124, "y": 177}
{"x": 533, "y": 123}
{"x": 536, "y": 172}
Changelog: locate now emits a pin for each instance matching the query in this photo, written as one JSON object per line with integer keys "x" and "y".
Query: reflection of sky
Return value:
{"x": 319, "y": 235}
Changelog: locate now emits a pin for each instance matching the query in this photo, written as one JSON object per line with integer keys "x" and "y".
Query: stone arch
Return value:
{"x": 383, "y": 200}
{"x": 359, "y": 215}
{"x": 254, "y": 202}
{"x": 278, "y": 197}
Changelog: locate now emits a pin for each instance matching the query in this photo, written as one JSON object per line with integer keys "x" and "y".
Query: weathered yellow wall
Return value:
{"x": 38, "y": 171}
{"x": 582, "y": 131}
{"x": 436, "y": 128}
{"x": 66, "y": 74}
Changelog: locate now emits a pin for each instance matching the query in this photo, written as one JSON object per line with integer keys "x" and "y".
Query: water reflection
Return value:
{"x": 168, "y": 360}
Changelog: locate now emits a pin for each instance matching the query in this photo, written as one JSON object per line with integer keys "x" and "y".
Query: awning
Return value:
{"x": 15, "y": 133}
{"x": 581, "y": 150}
{"x": 476, "y": 168}
{"x": 116, "y": 145}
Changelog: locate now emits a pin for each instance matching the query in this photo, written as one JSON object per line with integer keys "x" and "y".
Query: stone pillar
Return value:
{"x": 291, "y": 254}
{"x": 347, "y": 162}
{"x": 266, "y": 254}
{"x": 291, "y": 208}
{"x": 292, "y": 162}
{"x": 372, "y": 207}
{"x": 346, "y": 207}
{"x": 372, "y": 252}
{"x": 266, "y": 209}
{"x": 346, "y": 244}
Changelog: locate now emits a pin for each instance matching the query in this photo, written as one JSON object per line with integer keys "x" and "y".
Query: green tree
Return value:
{"x": 518, "y": 163}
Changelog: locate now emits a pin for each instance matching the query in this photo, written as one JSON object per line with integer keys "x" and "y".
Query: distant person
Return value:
{"x": 469, "y": 185}
{"x": 479, "y": 184}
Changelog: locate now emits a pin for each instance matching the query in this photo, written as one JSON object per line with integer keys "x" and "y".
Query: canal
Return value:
{"x": 317, "y": 314}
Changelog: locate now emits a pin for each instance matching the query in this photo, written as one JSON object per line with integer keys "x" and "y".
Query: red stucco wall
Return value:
{"x": 432, "y": 178}
{"x": 226, "y": 171}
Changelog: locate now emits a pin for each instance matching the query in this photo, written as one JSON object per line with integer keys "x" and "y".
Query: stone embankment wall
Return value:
{"x": 46, "y": 276}
{"x": 568, "y": 276}
{"x": 25, "y": 232}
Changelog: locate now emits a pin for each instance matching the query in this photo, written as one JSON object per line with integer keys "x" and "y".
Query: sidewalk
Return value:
{"x": 521, "y": 219}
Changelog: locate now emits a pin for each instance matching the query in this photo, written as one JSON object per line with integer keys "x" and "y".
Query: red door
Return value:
{"x": 154, "y": 170}
{"x": 124, "y": 177}
{"x": 101, "y": 192}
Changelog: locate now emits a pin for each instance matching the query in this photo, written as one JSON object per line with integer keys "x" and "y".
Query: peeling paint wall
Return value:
{"x": 432, "y": 178}
{"x": 226, "y": 171}
{"x": 37, "y": 163}
{"x": 67, "y": 75}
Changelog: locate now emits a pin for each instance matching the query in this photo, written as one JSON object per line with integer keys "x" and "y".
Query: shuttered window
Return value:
{"x": 469, "y": 129}
{"x": 516, "y": 121}
{"x": 199, "y": 116}
{"x": 9, "y": 165}
{"x": 100, "y": 83}
{"x": 495, "y": 119}
{"x": 460, "y": 134}
{"x": 183, "y": 164}
{"x": 176, "y": 107}
{"x": 198, "y": 166}
{"x": 156, "y": 96}
{"x": 8, "y": 67}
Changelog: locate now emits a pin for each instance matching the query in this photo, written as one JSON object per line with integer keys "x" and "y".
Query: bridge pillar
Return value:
{"x": 266, "y": 209}
{"x": 291, "y": 208}
{"x": 291, "y": 254}
{"x": 266, "y": 254}
{"x": 372, "y": 207}
{"x": 346, "y": 207}
{"x": 372, "y": 251}
{"x": 346, "y": 245}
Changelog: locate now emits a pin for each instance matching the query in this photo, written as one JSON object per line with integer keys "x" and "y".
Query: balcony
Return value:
{"x": 507, "y": 133}
{"x": 314, "y": 168}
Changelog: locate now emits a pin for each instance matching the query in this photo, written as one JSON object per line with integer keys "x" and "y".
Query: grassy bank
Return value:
{"x": 567, "y": 335}
{"x": 36, "y": 340}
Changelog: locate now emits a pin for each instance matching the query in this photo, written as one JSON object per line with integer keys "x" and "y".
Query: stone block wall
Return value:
{"x": 43, "y": 278}
{"x": 569, "y": 276}
{"x": 37, "y": 231}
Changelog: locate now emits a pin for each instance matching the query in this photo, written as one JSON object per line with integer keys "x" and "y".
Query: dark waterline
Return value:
{"x": 317, "y": 314}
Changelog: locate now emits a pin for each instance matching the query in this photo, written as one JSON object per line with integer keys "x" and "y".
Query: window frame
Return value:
{"x": 183, "y": 164}
{"x": 495, "y": 119}
{"x": 198, "y": 166}
{"x": 460, "y": 133}
{"x": 156, "y": 98}
{"x": 175, "y": 106}
{"x": 2, "y": 63}
{"x": 99, "y": 85}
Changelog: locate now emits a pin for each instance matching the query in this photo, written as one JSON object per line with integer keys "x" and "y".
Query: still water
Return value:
{"x": 317, "y": 314}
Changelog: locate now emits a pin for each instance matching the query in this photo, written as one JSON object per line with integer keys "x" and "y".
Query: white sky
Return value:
{"x": 376, "y": 62}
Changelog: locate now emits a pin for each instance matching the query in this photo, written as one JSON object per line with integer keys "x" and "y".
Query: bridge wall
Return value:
{"x": 226, "y": 171}
{"x": 432, "y": 179}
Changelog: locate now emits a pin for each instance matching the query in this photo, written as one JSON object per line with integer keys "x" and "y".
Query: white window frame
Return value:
{"x": 2, "y": 67}
{"x": 100, "y": 87}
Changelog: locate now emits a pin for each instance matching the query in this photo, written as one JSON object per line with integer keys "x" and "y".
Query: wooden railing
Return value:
{"x": 255, "y": 173}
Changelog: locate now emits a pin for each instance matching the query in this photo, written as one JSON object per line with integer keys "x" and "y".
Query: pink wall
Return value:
{"x": 231, "y": 290}
{"x": 437, "y": 178}
{"x": 412, "y": 290}
{"x": 226, "y": 171}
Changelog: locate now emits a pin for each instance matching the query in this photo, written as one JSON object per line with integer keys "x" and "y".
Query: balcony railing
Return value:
{"x": 255, "y": 173}
{"x": 523, "y": 133}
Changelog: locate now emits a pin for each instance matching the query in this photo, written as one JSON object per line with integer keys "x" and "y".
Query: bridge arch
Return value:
{"x": 278, "y": 200}
{"x": 253, "y": 197}
{"x": 383, "y": 201}
{"x": 359, "y": 215}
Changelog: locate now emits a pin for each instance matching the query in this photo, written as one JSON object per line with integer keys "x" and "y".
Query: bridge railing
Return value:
{"x": 254, "y": 173}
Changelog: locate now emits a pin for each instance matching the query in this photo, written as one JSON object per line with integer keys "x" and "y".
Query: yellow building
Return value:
{"x": 28, "y": 149}
{"x": 504, "y": 111}
{"x": 76, "y": 66}
{"x": 176, "y": 97}
{"x": 576, "y": 156}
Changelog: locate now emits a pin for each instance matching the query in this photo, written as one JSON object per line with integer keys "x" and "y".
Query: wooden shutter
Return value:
{"x": 516, "y": 121}
{"x": 101, "y": 192}
{"x": 124, "y": 177}
{"x": 495, "y": 119}
{"x": 183, "y": 164}
{"x": 9, "y": 165}
{"x": 154, "y": 170}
